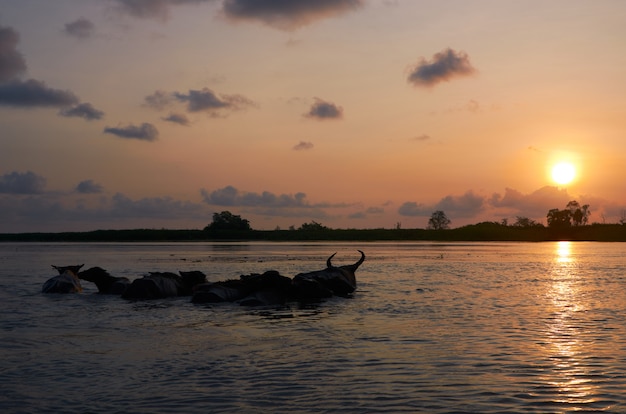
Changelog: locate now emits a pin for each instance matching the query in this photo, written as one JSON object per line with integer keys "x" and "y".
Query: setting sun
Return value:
{"x": 563, "y": 173}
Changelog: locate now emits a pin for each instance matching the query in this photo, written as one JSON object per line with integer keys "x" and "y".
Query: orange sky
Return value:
{"x": 352, "y": 113}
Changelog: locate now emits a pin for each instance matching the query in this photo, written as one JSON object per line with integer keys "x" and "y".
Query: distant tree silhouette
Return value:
{"x": 312, "y": 226}
{"x": 573, "y": 215}
{"x": 438, "y": 221}
{"x": 525, "y": 222}
{"x": 559, "y": 219}
{"x": 580, "y": 214}
{"x": 228, "y": 221}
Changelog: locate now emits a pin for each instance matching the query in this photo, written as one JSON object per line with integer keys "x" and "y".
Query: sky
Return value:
{"x": 125, "y": 114}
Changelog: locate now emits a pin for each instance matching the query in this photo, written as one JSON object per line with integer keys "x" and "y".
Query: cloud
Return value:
{"x": 34, "y": 93}
{"x": 151, "y": 9}
{"x": 444, "y": 66}
{"x": 411, "y": 208}
{"x": 29, "y": 93}
{"x": 198, "y": 100}
{"x": 368, "y": 212}
{"x": 206, "y": 100}
{"x": 22, "y": 183}
{"x": 201, "y": 100}
{"x": 269, "y": 204}
{"x": 422, "y": 137}
{"x": 281, "y": 14}
{"x": 83, "y": 110}
{"x": 144, "y": 132}
{"x": 57, "y": 212}
{"x": 324, "y": 110}
{"x": 287, "y": 14}
{"x": 158, "y": 100}
{"x": 535, "y": 204}
{"x": 80, "y": 28}
{"x": 88, "y": 187}
{"x": 12, "y": 62}
{"x": 230, "y": 196}
{"x": 180, "y": 119}
{"x": 466, "y": 205}
{"x": 303, "y": 145}
{"x": 152, "y": 207}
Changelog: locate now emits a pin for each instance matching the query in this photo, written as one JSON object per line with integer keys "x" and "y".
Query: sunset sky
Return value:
{"x": 353, "y": 113}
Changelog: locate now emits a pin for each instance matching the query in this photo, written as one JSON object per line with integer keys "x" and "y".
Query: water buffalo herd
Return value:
{"x": 266, "y": 288}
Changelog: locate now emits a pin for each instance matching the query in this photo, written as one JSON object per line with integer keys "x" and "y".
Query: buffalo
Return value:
{"x": 339, "y": 281}
{"x": 107, "y": 284}
{"x": 66, "y": 281}
{"x": 268, "y": 288}
{"x": 158, "y": 285}
{"x": 271, "y": 288}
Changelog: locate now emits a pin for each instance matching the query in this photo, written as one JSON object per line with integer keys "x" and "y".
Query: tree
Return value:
{"x": 438, "y": 221}
{"x": 525, "y": 222}
{"x": 228, "y": 221}
{"x": 580, "y": 214}
{"x": 573, "y": 215}
{"x": 312, "y": 226}
{"x": 559, "y": 218}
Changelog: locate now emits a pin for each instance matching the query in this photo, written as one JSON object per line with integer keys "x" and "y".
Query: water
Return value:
{"x": 432, "y": 328}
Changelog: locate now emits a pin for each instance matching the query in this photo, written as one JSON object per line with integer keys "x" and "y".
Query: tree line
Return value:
{"x": 572, "y": 215}
{"x": 227, "y": 221}
{"x": 570, "y": 223}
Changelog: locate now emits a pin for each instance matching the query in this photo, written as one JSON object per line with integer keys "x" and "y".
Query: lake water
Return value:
{"x": 432, "y": 328}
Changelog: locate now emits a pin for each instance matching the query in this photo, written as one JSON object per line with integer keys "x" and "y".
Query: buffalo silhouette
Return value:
{"x": 339, "y": 281}
{"x": 66, "y": 281}
{"x": 268, "y": 288}
{"x": 158, "y": 285}
{"x": 272, "y": 288}
{"x": 107, "y": 284}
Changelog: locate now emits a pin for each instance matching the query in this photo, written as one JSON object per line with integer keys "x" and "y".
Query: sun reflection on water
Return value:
{"x": 566, "y": 348}
{"x": 563, "y": 252}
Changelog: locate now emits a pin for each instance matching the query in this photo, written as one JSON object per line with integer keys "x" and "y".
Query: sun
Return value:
{"x": 563, "y": 173}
